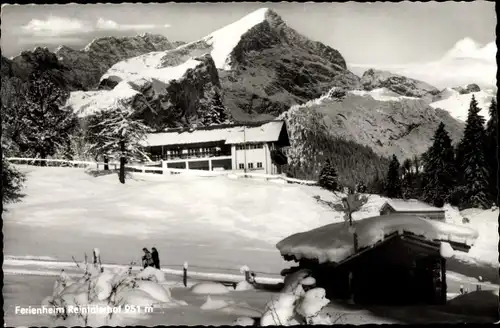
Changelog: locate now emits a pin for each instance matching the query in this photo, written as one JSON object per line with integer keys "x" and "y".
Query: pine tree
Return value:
{"x": 12, "y": 183}
{"x": 393, "y": 185}
{"x": 407, "y": 181}
{"x": 491, "y": 151}
{"x": 328, "y": 177}
{"x": 43, "y": 124}
{"x": 216, "y": 112}
{"x": 117, "y": 134}
{"x": 439, "y": 168}
{"x": 472, "y": 160}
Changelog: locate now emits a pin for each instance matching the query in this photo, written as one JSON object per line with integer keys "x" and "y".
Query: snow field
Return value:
{"x": 458, "y": 105}
{"x": 199, "y": 220}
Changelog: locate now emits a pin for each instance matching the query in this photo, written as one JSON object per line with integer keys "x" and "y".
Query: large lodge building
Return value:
{"x": 255, "y": 147}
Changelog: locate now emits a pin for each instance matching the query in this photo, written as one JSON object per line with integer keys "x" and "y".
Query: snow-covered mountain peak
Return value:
{"x": 225, "y": 39}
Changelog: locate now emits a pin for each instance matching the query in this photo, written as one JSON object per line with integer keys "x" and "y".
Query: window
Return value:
{"x": 250, "y": 165}
{"x": 259, "y": 165}
{"x": 241, "y": 166}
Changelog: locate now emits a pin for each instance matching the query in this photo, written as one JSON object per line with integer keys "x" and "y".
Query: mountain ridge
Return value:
{"x": 267, "y": 70}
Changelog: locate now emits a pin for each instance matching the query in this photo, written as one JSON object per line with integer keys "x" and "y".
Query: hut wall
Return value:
{"x": 397, "y": 272}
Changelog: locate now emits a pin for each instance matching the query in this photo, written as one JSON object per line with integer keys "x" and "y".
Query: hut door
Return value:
{"x": 429, "y": 278}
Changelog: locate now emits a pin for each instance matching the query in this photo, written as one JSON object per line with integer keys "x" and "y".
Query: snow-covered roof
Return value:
{"x": 267, "y": 132}
{"x": 334, "y": 242}
{"x": 411, "y": 205}
{"x": 186, "y": 137}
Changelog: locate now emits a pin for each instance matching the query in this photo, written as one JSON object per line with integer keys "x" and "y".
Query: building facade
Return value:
{"x": 256, "y": 147}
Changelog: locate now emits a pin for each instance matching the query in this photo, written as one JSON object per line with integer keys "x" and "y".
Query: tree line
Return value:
{"x": 464, "y": 175}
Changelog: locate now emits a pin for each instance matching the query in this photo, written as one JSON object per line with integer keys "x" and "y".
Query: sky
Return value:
{"x": 409, "y": 37}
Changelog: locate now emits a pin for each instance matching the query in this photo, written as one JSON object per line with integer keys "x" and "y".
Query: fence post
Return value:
{"x": 184, "y": 278}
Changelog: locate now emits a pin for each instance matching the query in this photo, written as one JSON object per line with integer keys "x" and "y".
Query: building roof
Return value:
{"x": 186, "y": 137}
{"x": 412, "y": 205}
{"x": 268, "y": 132}
{"x": 334, "y": 242}
{"x": 230, "y": 134}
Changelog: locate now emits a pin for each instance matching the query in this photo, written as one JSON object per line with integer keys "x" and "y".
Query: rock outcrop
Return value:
{"x": 467, "y": 89}
{"x": 402, "y": 85}
{"x": 170, "y": 97}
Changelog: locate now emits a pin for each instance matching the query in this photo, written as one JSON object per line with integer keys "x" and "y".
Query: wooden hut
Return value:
{"x": 412, "y": 207}
{"x": 399, "y": 260}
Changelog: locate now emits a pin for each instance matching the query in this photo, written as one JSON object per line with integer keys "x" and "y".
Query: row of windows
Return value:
{"x": 250, "y": 165}
{"x": 250, "y": 146}
{"x": 192, "y": 151}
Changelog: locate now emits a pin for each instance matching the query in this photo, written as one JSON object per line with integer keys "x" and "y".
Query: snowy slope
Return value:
{"x": 225, "y": 39}
{"x": 148, "y": 66}
{"x": 220, "y": 45}
{"x": 382, "y": 94}
{"x": 139, "y": 71}
{"x": 86, "y": 103}
{"x": 458, "y": 104}
{"x": 211, "y": 221}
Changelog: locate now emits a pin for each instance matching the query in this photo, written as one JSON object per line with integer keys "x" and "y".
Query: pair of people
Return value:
{"x": 151, "y": 259}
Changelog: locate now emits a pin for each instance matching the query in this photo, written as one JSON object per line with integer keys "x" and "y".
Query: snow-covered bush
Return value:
{"x": 295, "y": 306}
{"x": 209, "y": 288}
{"x": 102, "y": 294}
{"x": 244, "y": 285}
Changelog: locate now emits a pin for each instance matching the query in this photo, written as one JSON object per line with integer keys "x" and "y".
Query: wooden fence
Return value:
{"x": 152, "y": 168}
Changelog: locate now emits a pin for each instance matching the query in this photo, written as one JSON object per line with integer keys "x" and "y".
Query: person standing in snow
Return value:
{"x": 147, "y": 259}
{"x": 156, "y": 258}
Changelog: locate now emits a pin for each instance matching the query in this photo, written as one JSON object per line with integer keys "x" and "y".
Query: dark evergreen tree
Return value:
{"x": 328, "y": 177}
{"x": 46, "y": 124}
{"x": 12, "y": 183}
{"x": 407, "y": 179}
{"x": 117, "y": 134}
{"x": 215, "y": 111}
{"x": 393, "y": 181}
{"x": 439, "y": 168}
{"x": 474, "y": 168}
{"x": 491, "y": 151}
{"x": 376, "y": 186}
{"x": 361, "y": 187}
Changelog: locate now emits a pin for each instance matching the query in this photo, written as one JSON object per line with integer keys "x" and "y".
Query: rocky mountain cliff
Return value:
{"x": 82, "y": 69}
{"x": 40, "y": 60}
{"x": 264, "y": 65}
{"x": 274, "y": 67}
{"x": 402, "y": 85}
{"x": 403, "y": 127}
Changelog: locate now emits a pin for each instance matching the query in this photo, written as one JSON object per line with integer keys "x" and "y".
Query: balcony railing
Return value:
{"x": 190, "y": 155}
